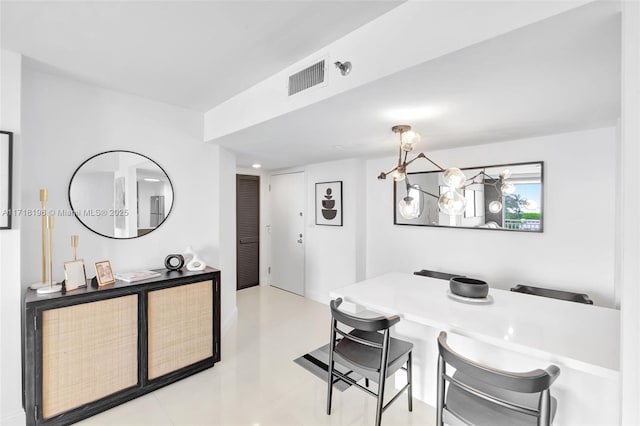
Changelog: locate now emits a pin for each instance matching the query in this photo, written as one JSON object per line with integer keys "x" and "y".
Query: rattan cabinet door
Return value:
{"x": 89, "y": 351}
{"x": 180, "y": 327}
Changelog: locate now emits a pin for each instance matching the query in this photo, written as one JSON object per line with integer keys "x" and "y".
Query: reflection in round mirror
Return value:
{"x": 120, "y": 194}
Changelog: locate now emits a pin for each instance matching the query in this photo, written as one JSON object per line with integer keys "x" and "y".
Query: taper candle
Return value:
{"x": 50, "y": 246}
{"x": 51, "y": 288}
{"x": 43, "y": 202}
{"x": 74, "y": 245}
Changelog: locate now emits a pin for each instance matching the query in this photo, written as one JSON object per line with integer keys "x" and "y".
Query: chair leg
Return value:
{"x": 330, "y": 383}
{"x": 332, "y": 343}
{"x": 440, "y": 391}
{"x": 383, "y": 377}
{"x": 544, "y": 406}
{"x": 410, "y": 388}
{"x": 380, "y": 402}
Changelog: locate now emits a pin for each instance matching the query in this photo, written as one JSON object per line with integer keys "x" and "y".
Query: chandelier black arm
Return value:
{"x": 416, "y": 187}
{"x": 471, "y": 180}
{"x": 495, "y": 182}
{"x": 421, "y": 155}
{"x": 403, "y": 164}
{"x": 384, "y": 175}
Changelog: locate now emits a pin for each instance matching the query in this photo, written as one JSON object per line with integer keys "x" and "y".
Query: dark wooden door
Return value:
{"x": 248, "y": 230}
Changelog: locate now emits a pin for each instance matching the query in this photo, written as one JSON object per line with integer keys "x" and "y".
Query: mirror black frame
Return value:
{"x": 538, "y": 231}
{"x": 128, "y": 152}
{"x": 5, "y": 205}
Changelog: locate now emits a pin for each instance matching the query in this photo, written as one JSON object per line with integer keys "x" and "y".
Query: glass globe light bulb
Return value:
{"x": 530, "y": 204}
{"x": 452, "y": 203}
{"x": 408, "y": 208}
{"x": 495, "y": 206}
{"x": 453, "y": 177}
{"x": 409, "y": 139}
{"x": 508, "y": 188}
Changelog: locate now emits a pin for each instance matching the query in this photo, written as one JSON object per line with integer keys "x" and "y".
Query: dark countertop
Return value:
{"x": 33, "y": 298}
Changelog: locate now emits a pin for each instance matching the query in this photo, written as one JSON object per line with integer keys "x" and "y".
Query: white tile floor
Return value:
{"x": 257, "y": 382}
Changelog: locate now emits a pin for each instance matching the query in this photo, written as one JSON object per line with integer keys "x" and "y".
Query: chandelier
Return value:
{"x": 451, "y": 201}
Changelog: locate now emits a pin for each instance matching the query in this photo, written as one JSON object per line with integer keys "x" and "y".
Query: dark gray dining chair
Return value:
{"x": 370, "y": 351}
{"x": 480, "y": 395}
{"x": 436, "y": 274}
{"x": 554, "y": 294}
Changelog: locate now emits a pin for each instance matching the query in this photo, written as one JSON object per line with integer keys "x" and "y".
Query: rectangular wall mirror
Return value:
{"x": 506, "y": 197}
{"x": 6, "y": 151}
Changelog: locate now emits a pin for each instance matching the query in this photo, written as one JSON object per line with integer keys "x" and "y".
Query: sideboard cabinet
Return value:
{"x": 94, "y": 348}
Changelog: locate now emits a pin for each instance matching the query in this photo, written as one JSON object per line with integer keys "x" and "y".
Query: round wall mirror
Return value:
{"x": 120, "y": 194}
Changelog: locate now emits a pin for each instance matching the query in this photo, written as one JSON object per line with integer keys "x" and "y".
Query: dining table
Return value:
{"x": 506, "y": 330}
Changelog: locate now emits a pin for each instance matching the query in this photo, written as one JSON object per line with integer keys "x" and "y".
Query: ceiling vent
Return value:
{"x": 308, "y": 77}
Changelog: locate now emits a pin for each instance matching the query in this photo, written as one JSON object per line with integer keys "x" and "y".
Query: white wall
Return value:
{"x": 576, "y": 250}
{"x": 10, "y": 382}
{"x": 335, "y": 256}
{"x": 628, "y": 241}
{"x": 226, "y": 200}
{"x": 66, "y": 121}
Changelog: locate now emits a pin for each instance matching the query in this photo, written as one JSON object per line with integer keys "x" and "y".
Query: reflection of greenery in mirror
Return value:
{"x": 120, "y": 194}
{"x": 506, "y": 197}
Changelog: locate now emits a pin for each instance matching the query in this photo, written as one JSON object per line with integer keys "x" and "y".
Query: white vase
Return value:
{"x": 194, "y": 263}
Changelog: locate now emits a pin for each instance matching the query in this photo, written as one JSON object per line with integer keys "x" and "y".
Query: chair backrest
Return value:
{"x": 365, "y": 324}
{"x": 527, "y": 382}
{"x": 436, "y": 274}
{"x": 535, "y": 381}
{"x": 554, "y": 294}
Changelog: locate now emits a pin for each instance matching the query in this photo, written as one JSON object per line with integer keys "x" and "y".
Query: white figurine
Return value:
{"x": 194, "y": 263}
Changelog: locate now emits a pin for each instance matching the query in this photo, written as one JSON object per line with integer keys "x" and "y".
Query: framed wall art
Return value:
{"x": 6, "y": 172}
{"x": 329, "y": 203}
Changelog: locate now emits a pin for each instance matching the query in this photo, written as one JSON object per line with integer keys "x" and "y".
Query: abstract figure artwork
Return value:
{"x": 329, "y": 203}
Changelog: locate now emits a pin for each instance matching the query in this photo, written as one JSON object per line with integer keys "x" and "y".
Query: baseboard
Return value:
{"x": 16, "y": 419}
{"x": 319, "y": 296}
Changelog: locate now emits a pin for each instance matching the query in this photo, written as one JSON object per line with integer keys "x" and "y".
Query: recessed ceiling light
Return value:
{"x": 256, "y": 165}
{"x": 338, "y": 146}
{"x": 403, "y": 114}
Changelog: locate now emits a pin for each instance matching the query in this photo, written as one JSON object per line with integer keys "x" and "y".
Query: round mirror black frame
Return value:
{"x": 128, "y": 152}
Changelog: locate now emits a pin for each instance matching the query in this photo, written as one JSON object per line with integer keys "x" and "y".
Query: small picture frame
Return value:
{"x": 329, "y": 203}
{"x": 75, "y": 275}
{"x": 104, "y": 273}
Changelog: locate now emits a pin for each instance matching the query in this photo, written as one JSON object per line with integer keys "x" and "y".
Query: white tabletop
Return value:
{"x": 584, "y": 337}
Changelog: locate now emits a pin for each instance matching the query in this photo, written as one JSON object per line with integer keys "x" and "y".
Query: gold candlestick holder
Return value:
{"x": 51, "y": 288}
{"x": 44, "y": 195}
{"x": 74, "y": 246}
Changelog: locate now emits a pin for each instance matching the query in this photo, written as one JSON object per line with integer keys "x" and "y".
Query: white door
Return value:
{"x": 287, "y": 232}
